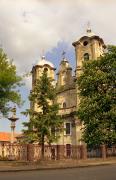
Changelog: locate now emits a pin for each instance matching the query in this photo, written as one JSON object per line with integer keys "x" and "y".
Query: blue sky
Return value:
{"x": 27, "y": 27}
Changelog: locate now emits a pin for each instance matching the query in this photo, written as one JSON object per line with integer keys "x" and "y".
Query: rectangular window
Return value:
{"x": 68, "y": 128}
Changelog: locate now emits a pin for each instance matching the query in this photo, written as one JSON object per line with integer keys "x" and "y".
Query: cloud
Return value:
{"x": 29, "y": 26}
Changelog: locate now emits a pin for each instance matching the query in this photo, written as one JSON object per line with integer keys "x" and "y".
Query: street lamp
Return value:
{"x": 13, "y": 119}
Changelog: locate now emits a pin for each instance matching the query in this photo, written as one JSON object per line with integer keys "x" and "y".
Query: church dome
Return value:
{"x": 43, "y": 62}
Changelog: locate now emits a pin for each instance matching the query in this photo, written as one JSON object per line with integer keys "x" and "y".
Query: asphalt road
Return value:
{"x": 88, "y": 173}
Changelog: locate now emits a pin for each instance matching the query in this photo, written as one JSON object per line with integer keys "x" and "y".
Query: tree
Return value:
{"x": 45, "y": 123}
{"x": 97, "y": 109}
{"x": 9, "y": 81}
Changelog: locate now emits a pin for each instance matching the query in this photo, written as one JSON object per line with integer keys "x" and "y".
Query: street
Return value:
{"x": 87, "y": 173}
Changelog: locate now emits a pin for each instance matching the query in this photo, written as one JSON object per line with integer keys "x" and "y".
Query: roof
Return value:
{"x": 89, "y": 34}
{"x": 43, "y": 62}
{"x": 6, "y": 136}
{"x": 19, "y": 136}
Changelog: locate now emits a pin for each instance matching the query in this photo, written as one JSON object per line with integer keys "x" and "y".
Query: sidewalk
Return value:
{"x": 47, "y": 165}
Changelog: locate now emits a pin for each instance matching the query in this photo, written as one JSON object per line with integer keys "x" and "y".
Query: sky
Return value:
{"x": 29, "y": 28}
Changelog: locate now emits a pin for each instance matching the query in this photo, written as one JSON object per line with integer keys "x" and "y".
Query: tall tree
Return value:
{"x": 97, "y": 110}
{"x": 9, "y": 81}
{"x": 45, "y": 123}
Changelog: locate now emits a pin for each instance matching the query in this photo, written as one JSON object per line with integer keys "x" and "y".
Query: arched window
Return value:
{"x": 64, "y": 105}
{"x": 45, "y": 69}
{"x": 86, "y": 56}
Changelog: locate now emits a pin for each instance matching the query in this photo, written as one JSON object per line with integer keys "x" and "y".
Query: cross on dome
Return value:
{"x": 43, "y": 57}
{"x": 89, "y": 31}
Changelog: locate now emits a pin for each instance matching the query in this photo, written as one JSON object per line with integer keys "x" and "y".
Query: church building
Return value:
{"x": 87, "y": 47}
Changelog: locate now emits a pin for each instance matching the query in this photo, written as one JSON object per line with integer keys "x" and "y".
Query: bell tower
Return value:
{"x": 88, "y": 47}
{"x": 43, "y": 65}
{"x": 37, "y": 71}
{"x": 65, "y": 77}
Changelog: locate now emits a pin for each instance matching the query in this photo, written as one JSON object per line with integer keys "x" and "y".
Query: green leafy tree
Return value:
{"x": 97, "y": 110}
{"x": 9, "y": 81}
{"x": 45, "y": 123}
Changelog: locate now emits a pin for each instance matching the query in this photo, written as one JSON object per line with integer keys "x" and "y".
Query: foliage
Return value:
{"x": 9, "y": 81}
{"x": 97, "y": 110}
{"x": 44, "y": 118}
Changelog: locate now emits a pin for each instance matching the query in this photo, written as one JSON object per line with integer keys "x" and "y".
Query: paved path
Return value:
{"x": 14, "y": 166}
{"x": 88, "y": 173}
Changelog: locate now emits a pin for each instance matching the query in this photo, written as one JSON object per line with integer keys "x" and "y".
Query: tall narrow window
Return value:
{"x": 86, "y": 56}
{"x": 64, "y": 105}
{"x": 68, "y": 128}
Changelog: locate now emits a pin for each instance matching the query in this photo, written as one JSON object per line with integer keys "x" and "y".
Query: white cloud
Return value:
{"x": 29, "y": 26}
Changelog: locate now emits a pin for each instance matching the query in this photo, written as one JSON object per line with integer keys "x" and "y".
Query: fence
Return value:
{"x": 32, "y": 152}
{"x": 111, "y": 151}
{"x": 94, "y": 152}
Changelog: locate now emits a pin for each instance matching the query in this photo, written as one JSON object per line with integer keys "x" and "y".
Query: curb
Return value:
{"x": 60, "y": 167}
